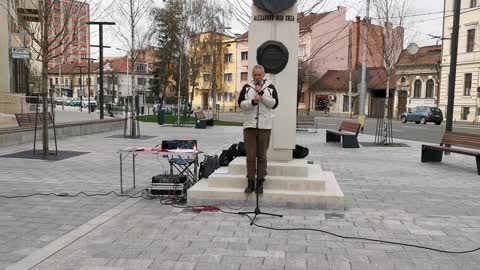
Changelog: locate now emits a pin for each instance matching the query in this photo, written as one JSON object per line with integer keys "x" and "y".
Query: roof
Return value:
{"x": 73, "y": 68}
{"x": 338, "y": 80}
{"x": 305, "y": 22}
{"x": 428, "y": 55}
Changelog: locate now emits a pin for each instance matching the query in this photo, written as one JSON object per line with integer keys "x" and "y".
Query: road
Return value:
{"x": 410, "y": 131}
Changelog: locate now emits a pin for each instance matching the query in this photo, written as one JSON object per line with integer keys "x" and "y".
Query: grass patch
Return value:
{"x": 172, "y": 119}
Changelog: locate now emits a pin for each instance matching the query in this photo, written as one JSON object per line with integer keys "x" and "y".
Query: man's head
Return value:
{"x": 258, "y": 73}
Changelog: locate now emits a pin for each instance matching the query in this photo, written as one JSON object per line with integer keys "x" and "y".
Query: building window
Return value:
{"x": 430, "y": 87}
{"x": 227, "y": 58}
{"x": 206, "y": 77}
{"x": 473, "y": 3}
{"x": 465, "y": 112}
{"x": 207, "y": 59}
{"x": 244, "y": 76}
{"x": 141, "y": 81}
{"x": 244, "y": 56}
{"x": 140, "y": 68}
{"x": 227, "y": 77}
{"x": 56, "y": 81}
{"x": 301, "y": 51}
{"x": 417, "y": 89}
{"x": 345, "y": 103}
{"x": 468, "y": 84}
{"x": 79, "y": 81}
{"x": 470, "y": 40}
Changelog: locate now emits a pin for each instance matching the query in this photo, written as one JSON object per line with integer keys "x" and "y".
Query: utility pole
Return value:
{"x": 81, "y": 86}
{"x": 363, "y": 84}
{"x": 453, "y": 64}
{"x": 100, "y": 25}
{"x": 89, "y": 79}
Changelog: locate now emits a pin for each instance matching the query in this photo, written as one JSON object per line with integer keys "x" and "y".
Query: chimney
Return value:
{"x": 358, "y": 18}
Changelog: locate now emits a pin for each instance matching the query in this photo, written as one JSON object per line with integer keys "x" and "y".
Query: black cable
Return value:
{"x": 236, "y": 209}
{"x": 68, "y": 195}
{"x": 355, "y": 237}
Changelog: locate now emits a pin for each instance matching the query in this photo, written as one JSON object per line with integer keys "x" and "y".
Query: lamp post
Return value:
{"x": 89, "y": 79}
{"x": 81, "y": 87}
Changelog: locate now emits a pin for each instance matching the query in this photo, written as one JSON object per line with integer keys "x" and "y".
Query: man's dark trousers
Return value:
{"x": 249, "y": 135}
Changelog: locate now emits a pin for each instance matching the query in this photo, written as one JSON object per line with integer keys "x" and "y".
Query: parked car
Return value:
{"x": 92, "y": 101}
{"x": 75, "y": 102}
{"x": 423, "y": 114}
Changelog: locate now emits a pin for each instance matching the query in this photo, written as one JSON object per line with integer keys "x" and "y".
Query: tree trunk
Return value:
{"x": 386, "y": 111}
{"x": 44, "y": 96}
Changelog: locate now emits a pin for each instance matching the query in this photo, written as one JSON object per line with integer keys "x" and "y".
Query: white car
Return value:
{"x": 92, "y": 101}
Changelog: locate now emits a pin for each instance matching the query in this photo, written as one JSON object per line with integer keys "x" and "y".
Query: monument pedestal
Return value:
{"x": 294, "y": 184}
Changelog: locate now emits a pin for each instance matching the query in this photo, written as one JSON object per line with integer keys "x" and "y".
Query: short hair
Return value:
{"x": 258, "y": 67}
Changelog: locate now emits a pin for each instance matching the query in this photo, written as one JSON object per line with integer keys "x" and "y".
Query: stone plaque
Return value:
{"x": 273, "y": 56}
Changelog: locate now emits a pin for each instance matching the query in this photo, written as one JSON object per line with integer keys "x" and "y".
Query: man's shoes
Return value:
{"x": 251, "y": 186}
{"x": 259, "y": 187}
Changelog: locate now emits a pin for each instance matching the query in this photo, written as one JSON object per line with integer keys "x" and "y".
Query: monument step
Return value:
{"x": 202, "y": 194}
{"x": 314, "y": 182}
{"x": 296, "y": 167}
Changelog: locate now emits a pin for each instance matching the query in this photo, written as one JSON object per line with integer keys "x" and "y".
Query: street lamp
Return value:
{"x": 81, "y": 87}
{"x": 89, "y": 79}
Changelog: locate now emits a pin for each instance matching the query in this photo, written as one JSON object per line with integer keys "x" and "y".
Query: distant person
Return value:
{"x": 258, "y": 96}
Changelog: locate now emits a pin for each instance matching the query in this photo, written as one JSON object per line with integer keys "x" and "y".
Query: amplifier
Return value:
{"x": 164, "y": 189}
{"x": 169, "y": 178}
{"x": 168, "y": 185}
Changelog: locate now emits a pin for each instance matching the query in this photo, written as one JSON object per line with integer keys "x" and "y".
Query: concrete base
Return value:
{"x": 20, "y": 135}
{"x": 293, "y": 184}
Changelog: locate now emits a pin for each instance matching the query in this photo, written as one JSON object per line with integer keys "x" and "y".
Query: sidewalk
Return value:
{"x": 436, "y": 205}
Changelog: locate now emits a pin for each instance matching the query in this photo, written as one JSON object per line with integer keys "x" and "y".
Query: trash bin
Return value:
{"x": 161, "y": 116}
{"x": 92, "y": 107}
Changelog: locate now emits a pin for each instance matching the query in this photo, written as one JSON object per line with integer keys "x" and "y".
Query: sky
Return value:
{"x": 424, "y": 18}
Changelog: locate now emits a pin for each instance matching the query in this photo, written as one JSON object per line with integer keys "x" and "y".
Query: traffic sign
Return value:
{"x": 20, "y": 53}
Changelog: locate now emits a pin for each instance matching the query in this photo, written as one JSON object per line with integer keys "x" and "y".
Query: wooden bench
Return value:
{"x": 28, "y": 119}
{"x": 304, "y": 122}
{"x": 434, "y": 153}
{"x": 201, "y": 121}
{"x": 349, "y": 140}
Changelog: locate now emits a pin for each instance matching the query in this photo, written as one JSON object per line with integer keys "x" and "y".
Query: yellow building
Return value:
{"x": 213, "y": 72}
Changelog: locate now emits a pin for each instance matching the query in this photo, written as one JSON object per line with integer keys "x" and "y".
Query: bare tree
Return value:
{"x": 128, "y": 17}
{"x": 50, "y": 36}
{"x": 198, "y": 22}
{"x": 391, "y": 15}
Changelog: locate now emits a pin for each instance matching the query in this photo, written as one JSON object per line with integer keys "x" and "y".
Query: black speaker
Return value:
{"x": 300, "y": 151}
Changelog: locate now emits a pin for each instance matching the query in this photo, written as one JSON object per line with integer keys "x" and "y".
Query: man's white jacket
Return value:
{"x": 268, "y": 102}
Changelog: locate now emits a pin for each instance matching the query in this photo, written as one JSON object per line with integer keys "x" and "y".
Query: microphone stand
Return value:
{"x": 257, "y": 210}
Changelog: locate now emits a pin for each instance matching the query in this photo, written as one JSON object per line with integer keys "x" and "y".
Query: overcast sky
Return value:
{"x": 418, "y": 24}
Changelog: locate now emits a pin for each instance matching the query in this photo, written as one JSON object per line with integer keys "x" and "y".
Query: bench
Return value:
{"x": 201, "y": 121}
{"x": 28, "y": 119}
{"x": 349, "y": 140}
{"x": 304, "y": 122}
{"x": 434, "y": 153}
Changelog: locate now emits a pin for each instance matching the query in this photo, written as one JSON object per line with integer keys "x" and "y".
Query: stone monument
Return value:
{"x": 273, "y": 43}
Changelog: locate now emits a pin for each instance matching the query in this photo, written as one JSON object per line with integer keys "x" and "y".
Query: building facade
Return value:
{"x": 73, "y": 15}
{"x": 467, "y": 81}
{"x": 418, "y": 79}
{"x": 216, "y": 79}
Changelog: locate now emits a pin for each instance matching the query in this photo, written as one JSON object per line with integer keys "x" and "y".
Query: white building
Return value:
{"x": 467, "y": 81}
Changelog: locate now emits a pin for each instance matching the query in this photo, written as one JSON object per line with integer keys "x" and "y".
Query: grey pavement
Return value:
{"x": 390, "y": 195}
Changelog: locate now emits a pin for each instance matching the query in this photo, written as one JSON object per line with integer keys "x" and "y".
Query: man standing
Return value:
{"x": 257, "y": 100}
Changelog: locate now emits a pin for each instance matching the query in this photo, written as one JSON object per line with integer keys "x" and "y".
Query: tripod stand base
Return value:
{"x": 257, "y": 212}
